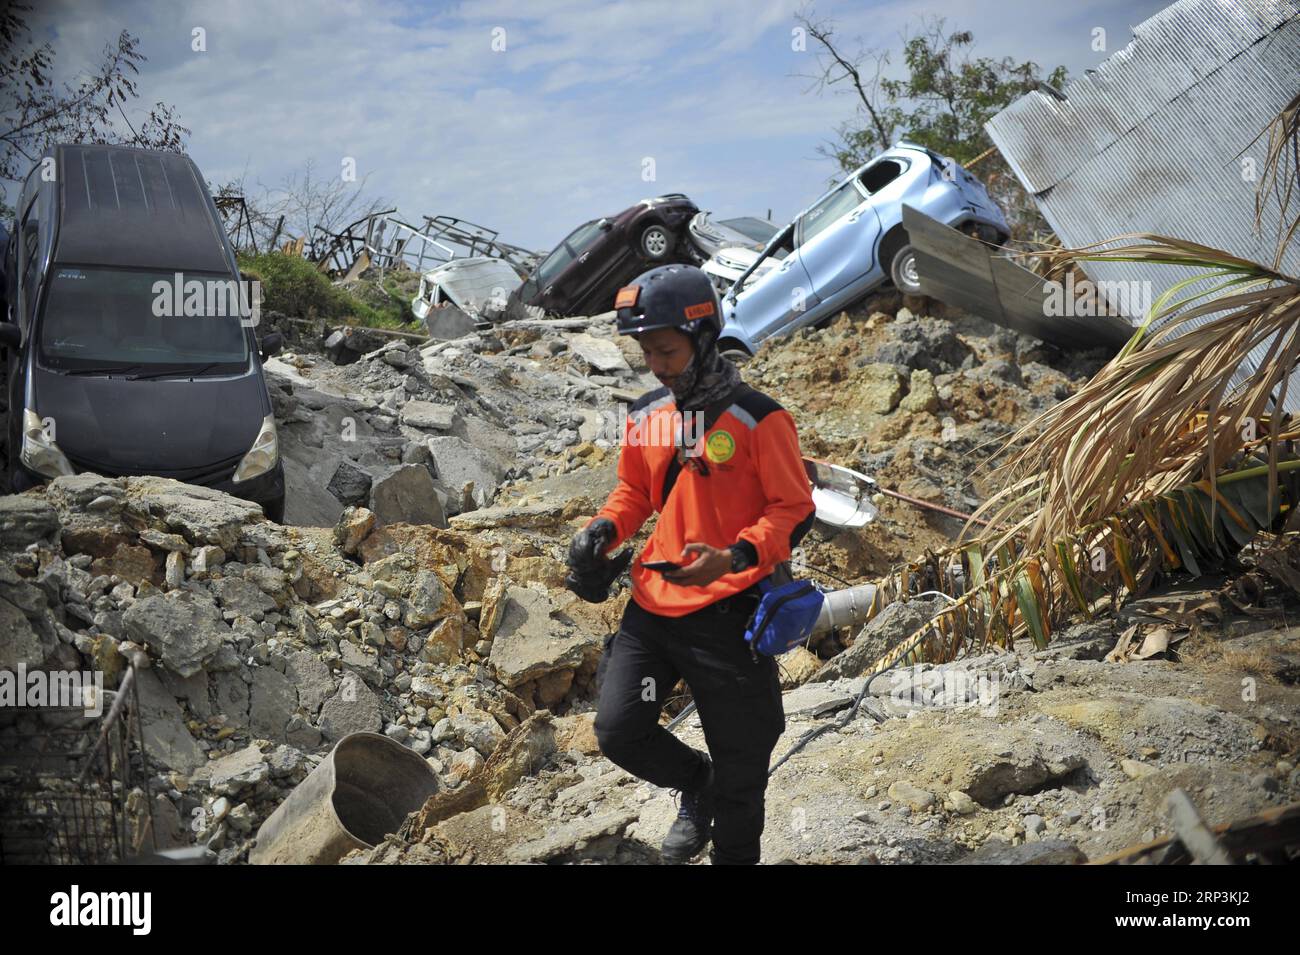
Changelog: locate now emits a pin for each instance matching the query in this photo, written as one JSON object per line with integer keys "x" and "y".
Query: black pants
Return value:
{"x": 739, "y": 703}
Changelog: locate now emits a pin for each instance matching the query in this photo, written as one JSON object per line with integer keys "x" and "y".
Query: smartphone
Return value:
{"x": 660, "y": 565}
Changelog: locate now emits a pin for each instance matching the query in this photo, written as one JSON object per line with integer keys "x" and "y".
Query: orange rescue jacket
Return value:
{"x": 756, "y": 489}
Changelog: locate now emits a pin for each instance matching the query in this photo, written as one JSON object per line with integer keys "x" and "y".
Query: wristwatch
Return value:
{"x": 743, "y": 556}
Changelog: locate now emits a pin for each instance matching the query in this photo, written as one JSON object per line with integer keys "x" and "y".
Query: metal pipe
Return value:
{"x": 845, "y": 608}
{"x": 917, "y": 502}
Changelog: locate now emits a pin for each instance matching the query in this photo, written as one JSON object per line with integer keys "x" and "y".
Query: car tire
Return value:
{"x": 903, "y": 271}
{"x": 656, "y": 242}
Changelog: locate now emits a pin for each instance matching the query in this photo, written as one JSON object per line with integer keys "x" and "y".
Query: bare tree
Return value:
{"x": 316, "y": 206}
{"x": 863, "y": 74}
{"x": 35, "y": 113}
{"x": 303, "y": 205}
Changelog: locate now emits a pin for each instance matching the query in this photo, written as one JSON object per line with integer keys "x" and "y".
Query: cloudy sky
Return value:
{"x": 534, "y": 120}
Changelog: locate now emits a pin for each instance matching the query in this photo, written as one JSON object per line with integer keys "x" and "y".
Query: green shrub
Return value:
{"x": 292, "y": 285}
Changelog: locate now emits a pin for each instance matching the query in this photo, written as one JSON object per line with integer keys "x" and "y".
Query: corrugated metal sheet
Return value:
{"x": 1152, "y": 140}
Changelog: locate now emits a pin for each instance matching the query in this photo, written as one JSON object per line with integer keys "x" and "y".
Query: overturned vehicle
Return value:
{"x": 851, "y": 241}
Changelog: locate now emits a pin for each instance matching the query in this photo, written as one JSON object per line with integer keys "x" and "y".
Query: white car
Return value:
{"x": 478, "y": 285}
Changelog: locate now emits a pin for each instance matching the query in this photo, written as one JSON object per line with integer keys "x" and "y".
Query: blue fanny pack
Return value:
{"x": 784, "y": 617}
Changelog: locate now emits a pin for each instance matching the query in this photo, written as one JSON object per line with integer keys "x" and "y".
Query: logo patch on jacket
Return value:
{"x": 719, "y": 447}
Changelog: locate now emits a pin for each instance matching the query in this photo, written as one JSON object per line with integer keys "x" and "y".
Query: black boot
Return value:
{"x": 690, "y": 833}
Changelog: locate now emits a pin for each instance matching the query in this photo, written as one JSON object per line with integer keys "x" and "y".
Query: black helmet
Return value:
{"x": 670, "y": 296}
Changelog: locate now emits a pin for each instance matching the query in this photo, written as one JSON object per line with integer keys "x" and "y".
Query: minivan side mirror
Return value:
{"x": 272, "y": 344}
{"x": 11, "y": 336}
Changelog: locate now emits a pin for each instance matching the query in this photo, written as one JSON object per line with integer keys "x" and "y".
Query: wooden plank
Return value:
{"x": 1193, "y": 832}
{"x": 1267, "y": 832}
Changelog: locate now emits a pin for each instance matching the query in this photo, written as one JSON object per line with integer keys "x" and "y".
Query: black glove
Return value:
{"x": 590, "y": 572}
{"x": 587, "y": 549}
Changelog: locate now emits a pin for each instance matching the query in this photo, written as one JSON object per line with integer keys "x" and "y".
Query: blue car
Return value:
{"x": 851, "y": 241}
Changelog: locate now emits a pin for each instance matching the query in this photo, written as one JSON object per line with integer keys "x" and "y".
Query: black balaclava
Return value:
{"x": 707, "y": 377}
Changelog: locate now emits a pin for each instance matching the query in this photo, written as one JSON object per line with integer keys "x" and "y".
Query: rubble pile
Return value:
{"x": 496, "y": 407}
{"x": 418, "y": 592}
{"x": 271, "y": 643}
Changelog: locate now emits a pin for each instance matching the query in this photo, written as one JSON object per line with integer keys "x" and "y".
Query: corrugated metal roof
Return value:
{"x": 1153, "y": 139}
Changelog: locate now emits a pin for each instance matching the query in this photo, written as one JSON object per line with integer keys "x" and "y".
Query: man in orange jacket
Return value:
{"x": 720, "y": 463}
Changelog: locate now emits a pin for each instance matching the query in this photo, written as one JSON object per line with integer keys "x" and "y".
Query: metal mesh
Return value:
{"x": 68, "y": 783}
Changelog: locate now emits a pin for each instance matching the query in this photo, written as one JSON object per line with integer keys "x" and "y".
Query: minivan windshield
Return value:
{"x": 150, "y": 322}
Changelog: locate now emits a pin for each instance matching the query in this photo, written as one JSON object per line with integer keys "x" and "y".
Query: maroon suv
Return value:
{"x": 582, "y": 273}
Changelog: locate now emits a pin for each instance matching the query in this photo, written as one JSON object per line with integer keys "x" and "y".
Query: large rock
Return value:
{"x": 19, "y": 642}
{"x": 577, "y": 732}
{"x": 353, "y": 709}
{"x": 1047, "y": 852}
{"x": 352, "y": 528}
{"x": 527, "y": 641}
{"x": 526, "y": 749}
{"x": 447, "y": 321}
{"x": 231, "y": 698}
{"x": 430, "y": 600}
{"x": 590, "y": 838}
{"x": 242, "y": 597}
{"x": 886, "y": 630}
{"x": 184, "y": 630}
{"x": 200, "y": 514}
{"x": 241, "y": 770}
{"x": 350, "y": 484}
{"x": 879, "y": 389}
{"x": 131, "y": 562}
{"x": 273, "y": 702}
{"x": 466, "y": 469}
{"x": 601, "y": 354}
{"x": 26, "y": 520}
{"x": 478, "y": 730}
{"x": 927, "y": 343}
{"x": 166, "y": 738}
{"x": 428, "y": 415}
{"x": 311, "y": 677}
{"x": 407, "y": 495}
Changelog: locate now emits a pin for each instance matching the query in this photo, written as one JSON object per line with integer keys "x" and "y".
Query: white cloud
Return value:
{"x": 547, "y": 133}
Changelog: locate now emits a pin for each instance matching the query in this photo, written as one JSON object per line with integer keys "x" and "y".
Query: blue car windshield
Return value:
{"x": 101, "y": 317}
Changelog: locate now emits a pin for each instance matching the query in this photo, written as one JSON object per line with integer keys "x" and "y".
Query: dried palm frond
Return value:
{"x": 1012, "y": 593}
{"x": 1149, "y": 468}
{"x": 1166, "y": 411}
{"x": 1281, "y": 168}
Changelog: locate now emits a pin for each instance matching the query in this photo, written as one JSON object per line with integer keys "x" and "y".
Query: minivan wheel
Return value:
{"x": 903, "y": 271}
{"x": 656, "y": 242}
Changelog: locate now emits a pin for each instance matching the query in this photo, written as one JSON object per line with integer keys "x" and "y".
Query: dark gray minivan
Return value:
{"x": 127, "y": 352}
